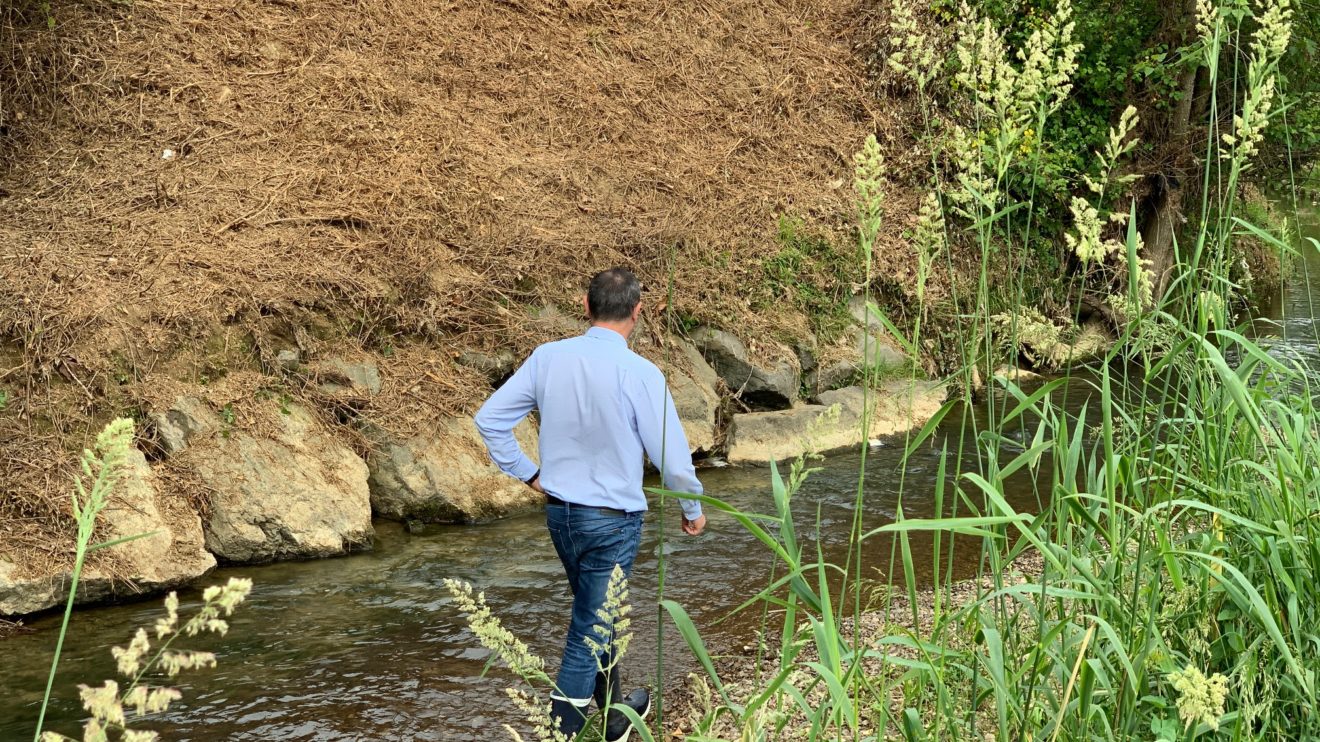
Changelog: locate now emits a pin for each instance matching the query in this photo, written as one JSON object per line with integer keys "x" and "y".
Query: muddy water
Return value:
{"x": 368, "y": 647}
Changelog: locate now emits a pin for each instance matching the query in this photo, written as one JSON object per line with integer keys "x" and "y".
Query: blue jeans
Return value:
{"x": 589, "y": 542}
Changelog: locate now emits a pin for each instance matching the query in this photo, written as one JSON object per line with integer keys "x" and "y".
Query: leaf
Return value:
{"x": 118, "y": 541}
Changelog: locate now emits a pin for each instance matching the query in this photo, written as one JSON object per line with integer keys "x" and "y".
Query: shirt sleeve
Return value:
{"x": 663, "y": 439}
{"x": 501, "y": 414}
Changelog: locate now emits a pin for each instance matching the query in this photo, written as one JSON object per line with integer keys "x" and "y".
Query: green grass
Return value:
{"x": 1179, "y": 533}
{"x": 812, "y": 274}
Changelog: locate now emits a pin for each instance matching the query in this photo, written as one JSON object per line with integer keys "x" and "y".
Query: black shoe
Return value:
{"x": 618, "y": 726}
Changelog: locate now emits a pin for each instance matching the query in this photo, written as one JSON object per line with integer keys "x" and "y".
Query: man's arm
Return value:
{"x": 501, "y": 414}
{"x": 663, "y": 439}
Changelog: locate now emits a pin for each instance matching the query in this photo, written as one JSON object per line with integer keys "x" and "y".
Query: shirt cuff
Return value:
{"x": 691, "y": 509}
{"x": 524, "y": 470}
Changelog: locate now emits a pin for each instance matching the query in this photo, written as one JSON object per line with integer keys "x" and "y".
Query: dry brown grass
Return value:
{"x": 395, "y": 179}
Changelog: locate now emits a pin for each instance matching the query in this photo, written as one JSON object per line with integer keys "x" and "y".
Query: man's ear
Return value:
{"x": 586, "y": 307}
{"x": 637, "y": 311}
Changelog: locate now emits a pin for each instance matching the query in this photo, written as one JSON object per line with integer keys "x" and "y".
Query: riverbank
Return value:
{"x": 743, "y": 672}
{"x": 280, "y": 483}
{"x": 302, "y": 303}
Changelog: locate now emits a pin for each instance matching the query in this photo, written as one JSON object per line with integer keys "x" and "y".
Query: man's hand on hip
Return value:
{"x": 536, "y": 485}
{"x": 694, "y": 527}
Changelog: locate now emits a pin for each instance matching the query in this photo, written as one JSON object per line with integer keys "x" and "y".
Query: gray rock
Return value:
{"x": 340, "y": 377}
{"x": 446, "y": 476}
{"x": 768, "y": 386}
{"x": 1017, "y": 375}
{"x": 863, "y": 317}
{"x": 175, "y": 553}
{"x": 880, "y": 353}
{"x": 171, "y": 556}
{"x": 288, "y": 359}
{"x": 858, "y": 351}
{"x": 832, "y": 375}
{"x": 554, "y": 322}
{"x": 186, "y": 419}
{"x": 494, "y": 366}
{"x": 762, "y": 437}
{"x": 301, "y": 493}
{"x": 694, "y": 386}
{"x": 806, "y": 355}
{"x": 21, "y": 595}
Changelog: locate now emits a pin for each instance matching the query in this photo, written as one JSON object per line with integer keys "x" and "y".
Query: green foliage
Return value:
{"x": 1176, "y": 593}
{"x": 228, "y": 417}
{"x": 811, "y": 274}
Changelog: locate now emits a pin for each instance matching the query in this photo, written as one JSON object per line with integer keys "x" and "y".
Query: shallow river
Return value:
{"x": 368, "y": 647}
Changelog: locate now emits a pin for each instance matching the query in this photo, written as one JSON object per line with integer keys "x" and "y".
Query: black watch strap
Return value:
{"x": 528, "y": 481}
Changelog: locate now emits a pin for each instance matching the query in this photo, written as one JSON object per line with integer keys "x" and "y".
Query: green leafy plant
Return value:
{"x": 101, "y": 468}
{"x": 811, "y": 274}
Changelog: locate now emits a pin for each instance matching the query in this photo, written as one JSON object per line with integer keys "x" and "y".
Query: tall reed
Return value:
{"x": 1177, "y": 542}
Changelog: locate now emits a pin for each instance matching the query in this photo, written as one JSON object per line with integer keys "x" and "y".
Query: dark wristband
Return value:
{"x": 532, "y": 478}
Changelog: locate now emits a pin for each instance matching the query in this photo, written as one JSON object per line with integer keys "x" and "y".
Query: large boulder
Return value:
{"x": 175, "y": 553}
{"x": 22, "y": 593}
{"x": 762, "y": 437}
{"x": 294, "y": 491}
{"x": 864, "y": 346}
{"x": 769, "y": 385}
{"x": 445, "y": 475}
{"x": 172, "y": 555}
{"x": 694, "y": 386}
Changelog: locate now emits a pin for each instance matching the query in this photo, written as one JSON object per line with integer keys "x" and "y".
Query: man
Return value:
{"x": 601, "y": 406}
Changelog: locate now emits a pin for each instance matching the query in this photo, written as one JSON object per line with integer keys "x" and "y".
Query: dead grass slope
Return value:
{"x": 185, "y": 183}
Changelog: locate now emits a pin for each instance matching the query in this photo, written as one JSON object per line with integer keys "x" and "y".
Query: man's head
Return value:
{"x": 614, "y": 297}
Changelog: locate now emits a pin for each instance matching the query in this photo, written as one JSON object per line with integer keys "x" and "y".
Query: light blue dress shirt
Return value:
{"x": 602, "y": 406}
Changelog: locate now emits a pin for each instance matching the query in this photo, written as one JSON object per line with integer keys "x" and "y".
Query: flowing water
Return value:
{"x": 369, "y": 647}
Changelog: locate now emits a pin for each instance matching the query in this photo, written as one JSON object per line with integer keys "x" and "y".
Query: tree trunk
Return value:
{"x": 1162, "y": 213}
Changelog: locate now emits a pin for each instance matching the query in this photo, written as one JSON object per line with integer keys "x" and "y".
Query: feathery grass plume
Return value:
{"x": 1009, "y": 99}
{"x": 492, "y": 635}
{"x": 974, "y": 184}
{"x": 111, "y": 707}
{"x": 868, "y": 181}
{"x": 1208, "y": 18}
{"x": 537, "y": 714}
{"x": 614, "y": 623}
{"x": 1049, "y": 59}
{"x": 1086, "y": 242}
{"x": 515, "y": 655}
{"x": 929, "y": 239}
{"x": 1200, "y": 699}
{"x": 913, "y": 52}
{"x": 1116, "y": 147}
{"x": 101, "y": 469}
{"x": 1273, "y": 32}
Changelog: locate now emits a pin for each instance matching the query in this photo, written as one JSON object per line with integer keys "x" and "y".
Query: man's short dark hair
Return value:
{"x": 613, "y": 295}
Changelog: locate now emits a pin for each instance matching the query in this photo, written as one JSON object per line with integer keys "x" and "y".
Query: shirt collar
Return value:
{"x": 601, "y": 333}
